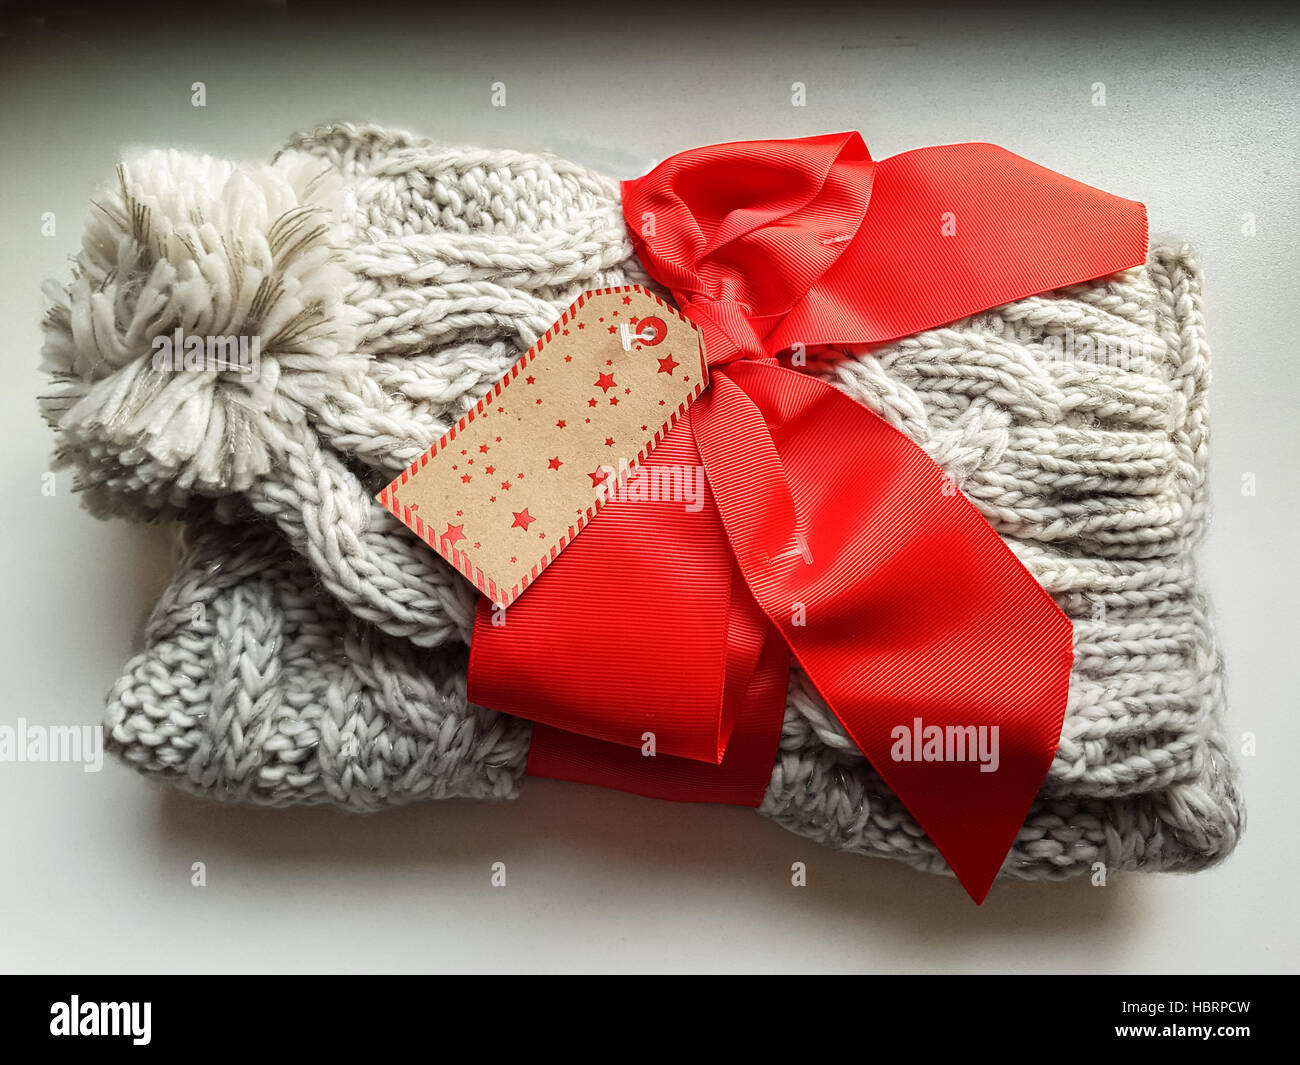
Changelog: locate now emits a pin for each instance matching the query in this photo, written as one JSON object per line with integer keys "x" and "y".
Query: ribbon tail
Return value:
{"x": 944, "y": 659}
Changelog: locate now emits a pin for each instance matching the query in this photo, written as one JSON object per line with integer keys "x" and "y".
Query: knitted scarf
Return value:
{"x": 310, "y": 649}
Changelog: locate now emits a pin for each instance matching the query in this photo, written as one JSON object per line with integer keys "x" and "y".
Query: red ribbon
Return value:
{"x": 824, "y": 531}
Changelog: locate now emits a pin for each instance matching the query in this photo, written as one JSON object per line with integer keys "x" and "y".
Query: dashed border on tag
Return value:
{"x": 388, "y": 497}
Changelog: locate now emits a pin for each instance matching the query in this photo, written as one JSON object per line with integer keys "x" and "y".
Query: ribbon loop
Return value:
{"x": 752, "y": 225}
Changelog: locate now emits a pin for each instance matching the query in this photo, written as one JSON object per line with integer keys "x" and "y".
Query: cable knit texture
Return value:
{"x": 310, "y": 649}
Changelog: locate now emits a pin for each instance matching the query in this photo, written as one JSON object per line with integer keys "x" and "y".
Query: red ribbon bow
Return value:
{"x": 824, "y": 531}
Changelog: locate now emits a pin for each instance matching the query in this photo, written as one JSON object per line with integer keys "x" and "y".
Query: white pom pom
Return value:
{"x": 189, "y": 246}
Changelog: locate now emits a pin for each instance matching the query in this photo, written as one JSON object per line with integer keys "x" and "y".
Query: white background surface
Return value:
{"x": 1200, "y": 123}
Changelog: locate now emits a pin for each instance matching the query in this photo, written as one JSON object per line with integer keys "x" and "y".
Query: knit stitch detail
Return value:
{"x": 309, "y": 649}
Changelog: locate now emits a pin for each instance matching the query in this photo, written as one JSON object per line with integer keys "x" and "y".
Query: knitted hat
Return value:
{"x": 311, "y": 649}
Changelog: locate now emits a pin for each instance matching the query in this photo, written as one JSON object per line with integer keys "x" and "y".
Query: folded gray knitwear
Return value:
{"x": 310, "y": 649}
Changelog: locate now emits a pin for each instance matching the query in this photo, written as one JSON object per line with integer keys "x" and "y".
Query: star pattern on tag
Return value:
{"x": 545, "y": 476}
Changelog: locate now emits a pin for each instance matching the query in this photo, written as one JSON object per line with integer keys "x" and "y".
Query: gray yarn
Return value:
{"x": 309, "y": 649}
{"x": 257, "y": 687}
